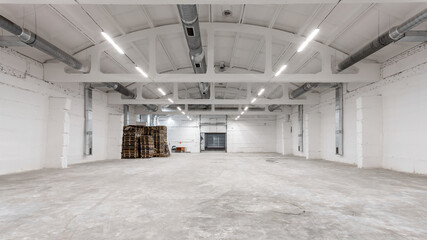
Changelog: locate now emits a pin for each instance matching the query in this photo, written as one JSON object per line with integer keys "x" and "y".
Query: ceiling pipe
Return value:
{"x": 394, "y": 34}
{"x": 128, "y": 93}
{"x": 190, "y": 23}
{"x": 34, "y": 40}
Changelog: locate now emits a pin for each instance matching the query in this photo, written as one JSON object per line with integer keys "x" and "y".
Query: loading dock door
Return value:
{"x": 215, "y": 141}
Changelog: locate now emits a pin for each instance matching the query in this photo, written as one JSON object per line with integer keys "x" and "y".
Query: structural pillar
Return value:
{"x": 312, "y": 135}
{"x": 58, "y": 133}
{"x": 369, "y": 127}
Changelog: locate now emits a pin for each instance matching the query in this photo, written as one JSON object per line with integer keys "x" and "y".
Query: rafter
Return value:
{"x": 146, "y": 15}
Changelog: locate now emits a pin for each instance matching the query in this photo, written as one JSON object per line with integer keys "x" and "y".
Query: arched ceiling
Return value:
{"x": 347, "y": 28}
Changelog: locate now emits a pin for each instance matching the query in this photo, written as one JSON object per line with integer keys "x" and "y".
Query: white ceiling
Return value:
{"x": 347, "y": 28}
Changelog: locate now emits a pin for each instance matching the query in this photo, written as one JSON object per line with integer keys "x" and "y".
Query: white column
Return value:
{"x": 312, "y": 135}
{"x": 58, "y": 133}
{"x": 369, "y": 127}
{"x": 115, "y": 132}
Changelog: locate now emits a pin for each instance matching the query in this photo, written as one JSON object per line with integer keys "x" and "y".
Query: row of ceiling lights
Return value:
{"x": 139, "y": 69}
{"x": 282, "y": 68}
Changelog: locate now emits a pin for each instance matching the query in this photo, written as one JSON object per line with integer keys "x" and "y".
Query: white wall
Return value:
{"x": 24, "y": 104}
{"x": 182, "y": 132}
{"x": 403, "y": 93}
{"x": 252, "y": 134}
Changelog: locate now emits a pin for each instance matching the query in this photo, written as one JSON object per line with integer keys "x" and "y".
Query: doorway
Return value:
{"x": 215, "y": 142}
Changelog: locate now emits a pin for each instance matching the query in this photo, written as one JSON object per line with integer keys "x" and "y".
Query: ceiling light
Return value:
{"x": 261, "y": 91}
{"x": 243, "y": 112}
{"x": 281, "y": 69}
{"x": 183, "y": 113}
{"x": 253, "y": 100}
{"x": 308, "y": 39}
{"x": 111, "y": 41}
{"x": 170, "y": 100}
{"x": 142, "y": 72}
{"x": 179, "y": 108}
{"x": 161, "y": 91}
{"x": 246, "y": 108}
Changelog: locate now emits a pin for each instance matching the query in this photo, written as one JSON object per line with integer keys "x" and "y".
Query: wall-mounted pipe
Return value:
{"x": 190, "y": 23}
{"x": 392, "y": 35}
{"x": 41, "y": 44}
{"x": 88, "y": 119}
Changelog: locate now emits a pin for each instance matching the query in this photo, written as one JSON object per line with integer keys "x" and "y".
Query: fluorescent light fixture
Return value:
{"x": 308, "y": 39}
{"x": 161, "y": 91}
{"x": 261, "y": 91}
{"x": 281, "y": 69}
{"x": 253, "y": 100}
{"x": 246, "y": 108}
{"x": 142, "y": 72}
{"x": 183, "y": 113}
{"x": 188, "y": 117}
{"x": 179, "y": 108}
{"x": 236, "y": 119}
{"x": 170, "y": 100}
{"x": 111, "y": 41}
{"x": 243, "y": 112}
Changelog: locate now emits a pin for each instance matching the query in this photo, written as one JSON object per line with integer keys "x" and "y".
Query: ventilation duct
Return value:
{"x": 120, "y": 89}
{"x": 309, "y": 86}
{"x": 394, "y": 34}
{"x": 190, "y": 23}
{"x": 33, "y": 40}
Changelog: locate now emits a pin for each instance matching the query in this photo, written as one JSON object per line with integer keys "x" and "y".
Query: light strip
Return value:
{"x": 246, "y": 108}
{"x": 170, "y": 100}
{"x": 179, "y": 108}
{"x": 253, "y": 100}
{"x": 142, "y": 72}
{"x": 111, "y": 41}
{"x": 282, "y": 68}
{"x": 183, "y": 113}
{"x": 161, "y": 91}
{"x": 261, "y": 91}
{"x": 243, "y": 112}
{"x": 308, "y": 39}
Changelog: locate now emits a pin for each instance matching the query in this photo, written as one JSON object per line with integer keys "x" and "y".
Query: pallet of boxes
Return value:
{"x": 145, "y": 142}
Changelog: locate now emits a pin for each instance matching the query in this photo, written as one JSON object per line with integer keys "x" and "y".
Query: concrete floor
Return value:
{"x": 213, "y": 196}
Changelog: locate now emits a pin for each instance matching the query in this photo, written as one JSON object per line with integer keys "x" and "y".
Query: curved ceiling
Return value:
{"x": 74, "y": 28}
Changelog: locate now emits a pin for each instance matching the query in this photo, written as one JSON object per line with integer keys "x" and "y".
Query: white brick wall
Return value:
{"x": 24, "y": 104}
{"x": 403, "y": 91}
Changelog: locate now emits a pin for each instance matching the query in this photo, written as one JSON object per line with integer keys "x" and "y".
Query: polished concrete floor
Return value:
{"x": 213, "y": 196}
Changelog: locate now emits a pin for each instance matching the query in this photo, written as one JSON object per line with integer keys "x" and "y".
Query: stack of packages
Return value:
{"x": 131, "y": 137}
{"x": 145, "y": 142}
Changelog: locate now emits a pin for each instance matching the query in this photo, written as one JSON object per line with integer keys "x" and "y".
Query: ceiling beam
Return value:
{"x": 160, "y": 2}
{"x": 146, "y": 15}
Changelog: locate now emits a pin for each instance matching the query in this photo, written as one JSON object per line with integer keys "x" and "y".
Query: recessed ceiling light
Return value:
{"x": 111, "y": 41}
{"x": 308, "y": 39}
{"x": 142, "y": 72}
{"x": 282, "y": 68}
{"x": 161, "y": 91}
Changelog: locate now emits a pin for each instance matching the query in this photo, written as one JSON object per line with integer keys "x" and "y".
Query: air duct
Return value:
{"x": 190, "y": 23}
{"x": 394, "y": 34}
{"x": 120, "y": 89}
{"x": 41, "y": 44}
